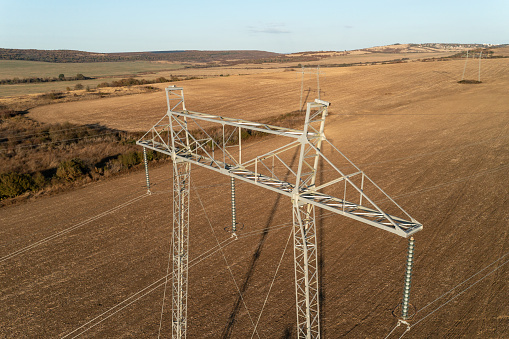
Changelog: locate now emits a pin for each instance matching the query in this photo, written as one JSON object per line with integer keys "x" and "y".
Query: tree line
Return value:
{"x": 134, "y": 82}
{"x": 30, "y": 80}
{"x": 68, "y": 56}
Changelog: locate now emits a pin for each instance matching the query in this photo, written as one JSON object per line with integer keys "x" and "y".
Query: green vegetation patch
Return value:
{"x": 71, "y": 170}
{"x": 13, "y": 184}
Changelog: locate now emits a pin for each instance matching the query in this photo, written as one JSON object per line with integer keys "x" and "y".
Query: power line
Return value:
{"x": 443, "y": 150}
{"x": 205, "y": 255}
{"x": 317, "y": 72}
{"x": 160, "y": 282}
{"x": 272, "y": 283}
{"x": 456, "y": 296}
{"x": 433, "y": 152}
{"x": 488, "y": 171}
{"x": 72, "y": 228}
{"x": 503, "y": 166}
{"x": 97, "y": 184}
{"x": 195, "y": 262}
{"x": 393, "y": 329}
{"x": 165, "y": 285}
{"x": 225, "y": 260}
{"x": 224, "y": 184}
{"x": 75, "y": 226}
{"x": 466, "y": 289}
{"x": 56, "y": 235}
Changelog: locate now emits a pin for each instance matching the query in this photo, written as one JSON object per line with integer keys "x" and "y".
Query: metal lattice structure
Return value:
{"x": 215, "y": 143}
{"x": 180, "y": 241}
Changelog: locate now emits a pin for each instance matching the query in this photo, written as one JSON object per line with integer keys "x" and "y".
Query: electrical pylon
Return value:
{"x": 309, "y": 71}
{"x": 204, "y": 139}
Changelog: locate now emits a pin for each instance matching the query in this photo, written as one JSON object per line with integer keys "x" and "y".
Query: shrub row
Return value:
{"x": 7, "y": 113}
{"x": 33, "y": 80}
{"x": 133, "y": 82}
{"x": 13, "y": 184}
{"x": 14, "y": 136}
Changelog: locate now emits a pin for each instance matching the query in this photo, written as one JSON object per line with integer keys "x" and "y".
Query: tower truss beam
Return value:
{"x": 172, "y": 136}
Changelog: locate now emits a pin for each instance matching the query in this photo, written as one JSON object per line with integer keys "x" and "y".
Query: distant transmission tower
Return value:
{"x": 465, "y": 67}
{"x": 480, "y": 57}
{"x": 346, "y": 191}
{"x": 309, "y": 71}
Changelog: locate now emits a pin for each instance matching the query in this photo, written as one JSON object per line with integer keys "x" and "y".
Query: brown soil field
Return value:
{"x": 440, "y": 148}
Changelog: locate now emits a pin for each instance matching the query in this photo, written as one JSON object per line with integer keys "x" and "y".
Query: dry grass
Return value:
{"x": 501, "y": 51}
{"x": 29, "y": 101}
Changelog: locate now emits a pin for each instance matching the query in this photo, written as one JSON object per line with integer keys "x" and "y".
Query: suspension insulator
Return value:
{"x": 234, "y": 215}
{"x": 408, "y": 279}
{"x": 146, "y": 169}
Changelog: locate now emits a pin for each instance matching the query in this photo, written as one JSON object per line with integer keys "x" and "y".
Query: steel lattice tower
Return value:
{"x": 180, "y": 242}
{"x": 181, "y": 135}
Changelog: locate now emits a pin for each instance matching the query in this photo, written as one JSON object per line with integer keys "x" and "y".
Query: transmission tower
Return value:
{"x": 465, "y": 67}
{"x": 309, "y": 71}
{"x": 191, "y": 138}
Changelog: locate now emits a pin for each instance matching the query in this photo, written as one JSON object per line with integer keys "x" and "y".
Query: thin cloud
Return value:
{"x": 269, "y": 29}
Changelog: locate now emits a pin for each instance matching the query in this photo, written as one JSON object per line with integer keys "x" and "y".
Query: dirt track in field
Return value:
{"x": 441, "y": 149}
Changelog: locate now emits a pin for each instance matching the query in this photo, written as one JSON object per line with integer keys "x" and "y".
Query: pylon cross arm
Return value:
{"x": 240, "y": 123}
{"x": 189, "y": 136}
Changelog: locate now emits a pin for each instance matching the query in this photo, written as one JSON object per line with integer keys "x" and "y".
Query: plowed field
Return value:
{"x": 439, "y": 148}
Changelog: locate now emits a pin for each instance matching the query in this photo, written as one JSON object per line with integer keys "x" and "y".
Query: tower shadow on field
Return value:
{"x": 227, "y": 331}
{"x": 305, "y": 99}
{"x": 287, "y": 334}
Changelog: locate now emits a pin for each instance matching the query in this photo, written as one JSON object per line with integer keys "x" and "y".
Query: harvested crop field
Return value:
{"x": 439, "y": 148}
{"x": 380, "y": 89}
{"x": 99, "y": 72}
{"x": 25, "y": 69}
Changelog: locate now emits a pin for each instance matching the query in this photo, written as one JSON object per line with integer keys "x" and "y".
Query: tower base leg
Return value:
{"x": 180, "y": 241}
{"x": 306, "y": 271}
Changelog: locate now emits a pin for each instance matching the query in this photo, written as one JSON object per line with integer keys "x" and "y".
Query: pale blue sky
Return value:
{"x": 276, "y": 26}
